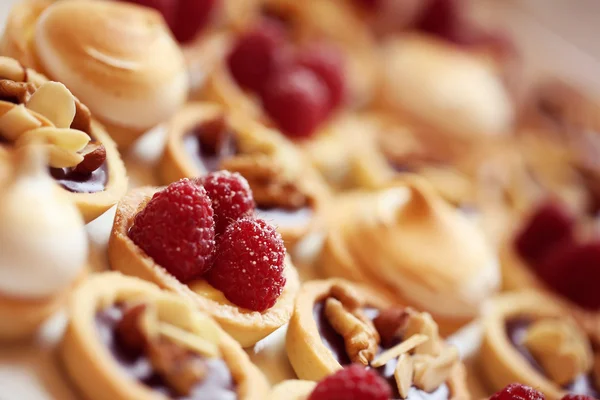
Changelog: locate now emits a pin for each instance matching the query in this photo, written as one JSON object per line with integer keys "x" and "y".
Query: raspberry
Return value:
{"x": 328, "y": 64}
{"x": 352, "y": 383}
{"x": 297, "y": 100}
{"x": 177, "y": 230}
{"x": 516, "y": 391}
{"x": 577, "y": 397}
{"x": 573, "y": 270}
{"x": 549, "y": 225}
{"x": 443, "y": 18}
{"x": 255, "y": 55}
{"x": 192, "y": 16}
{"x": 249, "y": 264}
{"x": 231, "y": 197}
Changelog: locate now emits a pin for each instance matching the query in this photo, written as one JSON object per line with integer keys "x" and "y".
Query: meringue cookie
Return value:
{"x": 119, "y": 59}
{"x": 410, "y": 243}
{"x": 445, "y": 88}
{"x": 43, "y": 243}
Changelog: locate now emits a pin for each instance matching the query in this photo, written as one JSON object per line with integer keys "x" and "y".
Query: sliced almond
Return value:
{"x": 403, "y": 347}
{"x": 12, "y": 69}
{"x": 431, "y": 372}
{"x": 190, "y": 341}
{"x": 17, "y": 121}
{"x": 403, "y": 374}
{"x": 54, "y": 101}
{"x": 67, "y": 139}
{"x": 61, "y": 158}
{"x": 424, "y": 324}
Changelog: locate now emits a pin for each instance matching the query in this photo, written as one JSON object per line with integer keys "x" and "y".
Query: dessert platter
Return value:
{"x": 286, "y": 200}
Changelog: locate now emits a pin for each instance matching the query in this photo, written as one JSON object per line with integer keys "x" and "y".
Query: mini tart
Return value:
{"x": 500, "y": 360}
{"x": 276, "y": 171}
{"x": 95, "y": 370}
{"x": 132, "y": 78}
{"x": 91, "y": 203}
{"x": 311, "y": 357}
{"x": 247, "y": 327}
{"x": 292, "y": 389}
{"x": 381, "y": 245}
{"x": 419, "y": 75}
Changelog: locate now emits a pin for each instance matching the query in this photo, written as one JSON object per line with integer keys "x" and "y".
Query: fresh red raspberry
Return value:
{"x": 352, "y": 383}
{"x": 192, "y": 16}
{"x": 573, "y": 270}
{"x": 176, "y": 229}
{"x": 249, "y": 264}
{"x": 549, "y": 225}
{"x": 577, "y": 397}
{"x": 516, "y": 391}
{"x": 328, "y": 63}
{"x": 444, "y": 18}
{"x": 231, "y": 197}
{"x": 297, "y": 100}
{"x": 256, "y": 54}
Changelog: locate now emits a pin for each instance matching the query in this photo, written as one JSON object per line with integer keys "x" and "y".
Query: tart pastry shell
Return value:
{"x": 247, "y": 327}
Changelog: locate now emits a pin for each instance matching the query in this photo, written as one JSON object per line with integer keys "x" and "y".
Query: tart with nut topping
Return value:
{"x": 336, "y": 323}
{"x": 204, "y": 137}
{"x": 528, "y": 338}
{"x": 202, "y": 240}
{"x": 82, "y": 158}
{"x": 127, "y": 339}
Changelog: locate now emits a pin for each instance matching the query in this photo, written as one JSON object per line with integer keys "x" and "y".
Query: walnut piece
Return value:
{"x": 391, "y": 324}
{"x": 16, "y": 92}
{"x": 431, "y": 372}
{"x": 181, "y": 369}
{"x": 346, "y": 294}
{"x": 560, "y": 347}
{"x": 94, "y": 155}
{"x": 361, "y": 340}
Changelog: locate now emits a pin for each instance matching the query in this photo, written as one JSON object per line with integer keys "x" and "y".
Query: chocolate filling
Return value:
{"x": 516, "y": 329}
{"x": 218, "y": 383}
{"x": 209, "y": 143}
{"x": 335, "y": 343}
{"x": 75, "y": 182}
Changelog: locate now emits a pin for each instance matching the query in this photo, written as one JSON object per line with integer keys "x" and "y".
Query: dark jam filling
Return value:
{"x": 81, "y": 183}
{"x": 335, "y": 343}
{"x": 208, "y": 155}
{"x": 218, "y": 383}
{"x": 515, "y": 331}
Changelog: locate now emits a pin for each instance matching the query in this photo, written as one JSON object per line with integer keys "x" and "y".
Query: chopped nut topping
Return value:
{"x": 16, "y": 121}
{"x": 83, "y": 118}
{"x": 391, "y": 324}
{"x": 94, "y": 155}
{"x": 54, "y": 101}
{"x": 403, "y": 374}
{"x": 401, "y": 348}
{"x": 16, "y": 92}
{"x": 561, "y": 348}
{"x": 360, "y": 339}
{"x": 181, "y": 369}
{"x": 11, "y": 69}
{"x": 431, "y": 372}
{"x": 130, "y": 331}
{"x": 62, "y": 145}
{"x": 189, "y": 340}
{"x": 424, "y": 324}
{"x": 346, "y": 294}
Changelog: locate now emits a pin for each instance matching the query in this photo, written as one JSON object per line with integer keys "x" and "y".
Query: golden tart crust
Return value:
{"x": 91, "y": 205}
{"x": 93, "y": 369}
{"x": 259, "y": 145}
{"x": 247, "y": 327}
{"x": 309, "y": 356}
{"x": 500, "y": 362}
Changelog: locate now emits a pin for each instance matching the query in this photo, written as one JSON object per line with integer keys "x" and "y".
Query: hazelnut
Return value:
{"x": 94, "y": 155}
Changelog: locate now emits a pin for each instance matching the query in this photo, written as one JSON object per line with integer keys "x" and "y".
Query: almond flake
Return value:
{"x": 17, "y": 121}
{"x": 189, "y": 340}
{"x": 404, "y": 374}
{"x": 54, "y": 101}
{"x": 400, "y": 348}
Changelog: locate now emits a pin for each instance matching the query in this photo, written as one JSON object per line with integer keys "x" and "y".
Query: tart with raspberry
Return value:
{"x": 529, "y": 338}
{"x": 204, "y": 137}
{"x": 83, "y": 160}
{"x": 127, "y": 339}
{"x": 337, "y": 323}
{"x": 202, "y": 240}
{"x": 132, "y": 78}
{"x": 387, "y": 244}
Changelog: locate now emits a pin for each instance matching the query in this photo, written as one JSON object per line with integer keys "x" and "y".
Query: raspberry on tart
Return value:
{"x": 353, "y": 382}
{"x": 127, "y": 339}
{"x": 517, "y": 391}
{"x": 168, "y": 237}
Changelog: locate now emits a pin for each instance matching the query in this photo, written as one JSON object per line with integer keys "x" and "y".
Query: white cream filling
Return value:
{"x": 105, "y": 99}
